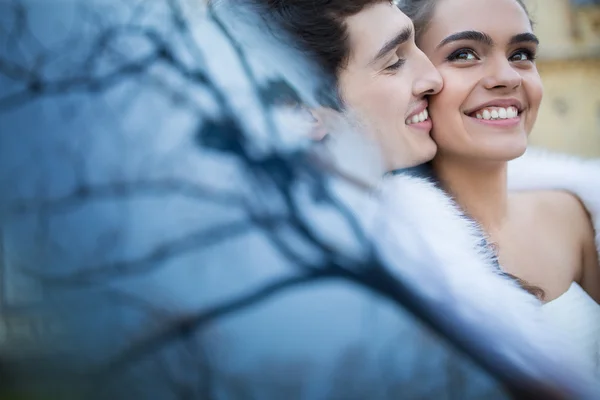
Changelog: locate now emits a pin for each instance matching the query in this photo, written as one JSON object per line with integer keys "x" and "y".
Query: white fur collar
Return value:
{"x": 427, "y": 241}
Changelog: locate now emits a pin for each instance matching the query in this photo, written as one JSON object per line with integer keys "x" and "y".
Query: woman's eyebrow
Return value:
{"x": 468, "y": 35}
{"x": 524, "y": 37}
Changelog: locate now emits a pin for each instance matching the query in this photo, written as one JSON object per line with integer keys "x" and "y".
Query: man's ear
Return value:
{"x": 324, "y": 118}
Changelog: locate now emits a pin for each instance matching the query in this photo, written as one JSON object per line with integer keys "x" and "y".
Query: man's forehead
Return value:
{"x": 371, "y": 28}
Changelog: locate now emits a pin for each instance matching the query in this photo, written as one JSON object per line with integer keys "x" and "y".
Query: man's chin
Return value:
{"x": 426, "y": 152}
{"x": 417, "y": 158}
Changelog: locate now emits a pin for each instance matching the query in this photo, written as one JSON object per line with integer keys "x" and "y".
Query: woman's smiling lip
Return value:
{"x": 512, "y": 102}
{"x": 497, "y": 103}
{"x": 503, "y": 123}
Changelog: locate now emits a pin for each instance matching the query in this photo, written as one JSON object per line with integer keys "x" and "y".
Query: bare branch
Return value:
{"x": 286, "y": 250}
{"x": 243, "y": 59}
{"x": 20, "y": 23}
{"x": 124, "y": 190}
{"x": 151, "y": 261}
{"x": 14, "y": 71}
{"x": 107, "y": 37}
{"x": 38, "y": 87}
{"x": 123, "y": 297}
{"x": 184, "y": 327}
{"x": 181, "y": 25}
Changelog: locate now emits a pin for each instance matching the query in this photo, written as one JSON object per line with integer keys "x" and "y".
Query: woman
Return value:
{"x": 482, "y": 118}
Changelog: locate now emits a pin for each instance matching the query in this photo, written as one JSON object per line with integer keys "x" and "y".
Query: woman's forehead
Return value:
{"x": 494, "y": 17}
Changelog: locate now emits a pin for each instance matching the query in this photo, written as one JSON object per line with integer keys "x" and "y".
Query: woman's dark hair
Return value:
{"x": 421, "y": 12}
{"x": 317, "y": 29}
{"x": 531, "y": 289}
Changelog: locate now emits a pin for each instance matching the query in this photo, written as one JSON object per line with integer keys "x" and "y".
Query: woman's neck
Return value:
{"x": 479, "y": 188}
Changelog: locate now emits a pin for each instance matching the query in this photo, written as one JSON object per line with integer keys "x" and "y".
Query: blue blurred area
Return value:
{"x": 121, "y": 215}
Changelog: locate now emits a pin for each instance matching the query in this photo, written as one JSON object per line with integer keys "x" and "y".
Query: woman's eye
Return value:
{"x": 395, "y": 66}
{"x": 463, "y": 55}
{"x": 523, "y": 55}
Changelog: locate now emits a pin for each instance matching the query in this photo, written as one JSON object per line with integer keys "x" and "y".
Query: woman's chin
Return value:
{"x": 516, "y": 150}
{"x": 504, "y": 149}
{"x": 505, "y": 154}
{"x": 494, "y": 153}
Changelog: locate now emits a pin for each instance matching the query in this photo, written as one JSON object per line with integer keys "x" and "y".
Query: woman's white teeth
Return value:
{"x": 497, "y": 113}
{"x": 420, "y": 117}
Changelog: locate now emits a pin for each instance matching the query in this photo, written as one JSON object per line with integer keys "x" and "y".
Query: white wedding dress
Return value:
{"x": 574, "y": 313}
{"x": 577, "y": 317}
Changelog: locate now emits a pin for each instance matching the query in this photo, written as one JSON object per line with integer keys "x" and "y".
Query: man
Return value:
{"x": 378, "y": 76}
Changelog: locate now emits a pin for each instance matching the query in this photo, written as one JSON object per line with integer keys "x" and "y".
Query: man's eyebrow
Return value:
{"x": 468, "y": 35}
{"x": 391, "y": 44}
{"x": 523, "y": 38}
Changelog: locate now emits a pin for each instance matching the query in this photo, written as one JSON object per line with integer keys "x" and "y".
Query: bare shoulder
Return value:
{"x": 567, "y": 215}
{"x": 559, "y": 207}
{"x": 559, "y": 221}
{"x": 561, "y": 215}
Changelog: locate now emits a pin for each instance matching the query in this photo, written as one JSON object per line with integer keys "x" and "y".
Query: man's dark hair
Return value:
{"x": 316, "y": 28}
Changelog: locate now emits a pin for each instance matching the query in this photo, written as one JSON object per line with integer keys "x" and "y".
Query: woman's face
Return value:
{"x": 485, "y": 52}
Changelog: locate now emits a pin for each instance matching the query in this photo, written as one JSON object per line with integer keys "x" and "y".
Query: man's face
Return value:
{"x": 384, "y": 84}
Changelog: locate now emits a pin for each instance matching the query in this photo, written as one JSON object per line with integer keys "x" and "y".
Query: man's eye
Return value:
{"x": 395, "y": 66}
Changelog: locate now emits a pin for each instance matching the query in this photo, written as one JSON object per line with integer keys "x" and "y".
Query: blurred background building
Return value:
{"x": 569, "y": 63}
